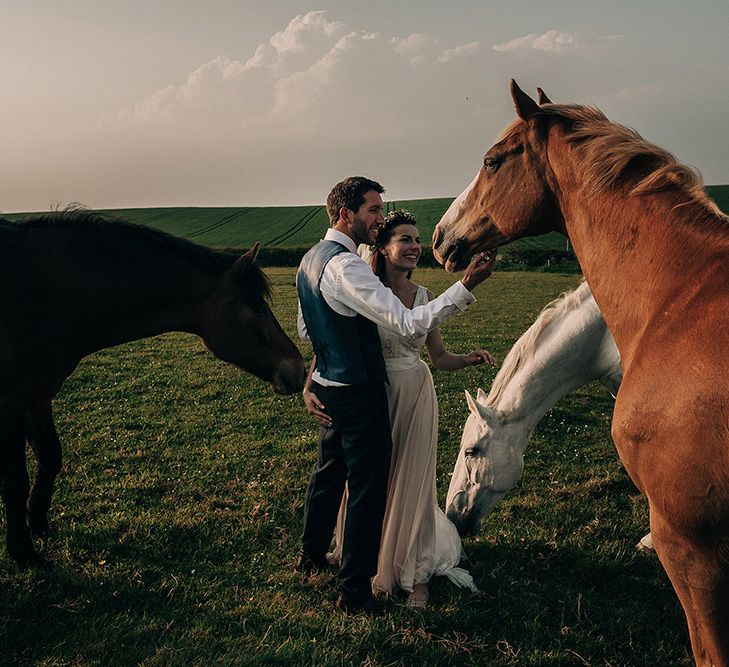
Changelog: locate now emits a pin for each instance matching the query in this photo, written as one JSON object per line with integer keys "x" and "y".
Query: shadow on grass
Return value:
{"x": 64, "y": 617}
{"x": 538, "y": 605}
{"x": 539, "y": 599}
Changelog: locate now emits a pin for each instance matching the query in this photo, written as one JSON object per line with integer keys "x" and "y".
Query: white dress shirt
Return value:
{"x": 350, "y": 288}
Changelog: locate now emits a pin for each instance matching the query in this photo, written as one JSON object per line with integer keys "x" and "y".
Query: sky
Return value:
{"x": 135, "y": 103}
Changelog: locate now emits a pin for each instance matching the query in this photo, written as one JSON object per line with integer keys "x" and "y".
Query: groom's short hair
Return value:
{"x": 349, "y": 193}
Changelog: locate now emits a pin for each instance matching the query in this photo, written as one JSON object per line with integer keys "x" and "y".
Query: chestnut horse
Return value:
{"x": 74, "y": 282}
{"x": 655, "y": 251}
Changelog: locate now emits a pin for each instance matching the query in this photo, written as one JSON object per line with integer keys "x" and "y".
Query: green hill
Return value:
{"x": 284, "y": 226}
{"x": 302, "y": 226}
{"x": 720, "y": 194}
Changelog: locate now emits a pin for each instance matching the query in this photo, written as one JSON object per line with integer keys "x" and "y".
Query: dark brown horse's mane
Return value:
{"x": 111, "y": 227}
{"x": 612, "y": 153}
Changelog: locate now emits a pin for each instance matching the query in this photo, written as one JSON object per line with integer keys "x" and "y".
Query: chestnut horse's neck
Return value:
{"x": 653, "y": 251}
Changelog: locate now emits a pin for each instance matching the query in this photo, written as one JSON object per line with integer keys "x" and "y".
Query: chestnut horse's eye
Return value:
{"x": 491, "y": 163}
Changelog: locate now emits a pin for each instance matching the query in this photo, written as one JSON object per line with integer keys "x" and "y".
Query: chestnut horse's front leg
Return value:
{"x": 43, "y": 439}
{"x": 699, "y": 573}
{"x": 14, "y": 487}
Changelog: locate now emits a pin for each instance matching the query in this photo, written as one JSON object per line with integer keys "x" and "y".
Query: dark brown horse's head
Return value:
{"x": 239, "y": 327}
{"x": 510, "y": 196}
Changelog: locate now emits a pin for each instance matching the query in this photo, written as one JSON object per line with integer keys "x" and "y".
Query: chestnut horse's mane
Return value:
{"x": 612, "y": 155}
{"x": 524, "y": 349}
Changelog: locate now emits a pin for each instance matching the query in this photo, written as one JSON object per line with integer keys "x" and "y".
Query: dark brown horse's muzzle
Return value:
{"x": 289, "y": 377}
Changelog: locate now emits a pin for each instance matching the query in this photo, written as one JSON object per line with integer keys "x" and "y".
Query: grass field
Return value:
{"x": 720, "y": 194}
{"x": 176, "y": 521}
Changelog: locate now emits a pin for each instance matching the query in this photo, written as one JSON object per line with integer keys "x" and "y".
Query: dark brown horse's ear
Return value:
{"x": 253, "y": 252}
{"x": 525, "y": 106}
{"x": 542, "y": 97}
{"x": 246, "y": 260}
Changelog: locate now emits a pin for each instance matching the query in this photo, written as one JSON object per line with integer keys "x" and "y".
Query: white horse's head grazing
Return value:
{"x": 488, "y": 465}
{"x": 567, "y": 346}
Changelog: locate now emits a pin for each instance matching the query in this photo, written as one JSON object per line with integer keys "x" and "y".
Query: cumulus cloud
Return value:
{"x": 229, "y": 90}
{"x": 301, "y": 73}
{"x": 611, "y": 39}
{"x": 337, "y": 94}
{"x": 416, "y": 48}
{"x": 469, "y": 49}
{"x": 305, "y": 31}
{"x": 554, "y": 42}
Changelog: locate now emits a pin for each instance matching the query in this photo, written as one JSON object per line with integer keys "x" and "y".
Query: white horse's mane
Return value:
{"x": 523, "y": 350}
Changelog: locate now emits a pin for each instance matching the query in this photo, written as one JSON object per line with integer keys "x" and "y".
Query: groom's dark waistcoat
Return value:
{"x": 347, "y": 349}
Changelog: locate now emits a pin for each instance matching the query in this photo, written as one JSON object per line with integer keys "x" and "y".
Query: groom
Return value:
{"x": 341, "y": 302}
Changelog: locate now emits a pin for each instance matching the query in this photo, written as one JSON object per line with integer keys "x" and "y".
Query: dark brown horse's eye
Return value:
{"x": 491, "y": 164}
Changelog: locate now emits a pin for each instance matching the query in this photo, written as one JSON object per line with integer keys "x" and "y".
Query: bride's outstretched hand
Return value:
{"x": 480, "y": 268}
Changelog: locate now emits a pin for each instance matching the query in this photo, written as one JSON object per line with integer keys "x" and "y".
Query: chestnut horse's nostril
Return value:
{"x": 437, "y": 237}
{"x": 437, "y": 240}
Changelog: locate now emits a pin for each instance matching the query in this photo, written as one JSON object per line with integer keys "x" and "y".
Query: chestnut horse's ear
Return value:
{"x": 246, "y": 260}
{"x": 542, "y": 97}
{"x": 525, "y": 106}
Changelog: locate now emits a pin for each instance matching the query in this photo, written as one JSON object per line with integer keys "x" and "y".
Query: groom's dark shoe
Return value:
{"x": 369, "y": 606}
{"x": 307, "y": 564}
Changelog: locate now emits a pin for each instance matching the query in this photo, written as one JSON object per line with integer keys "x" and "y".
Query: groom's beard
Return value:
{"x": 360, "y": 232}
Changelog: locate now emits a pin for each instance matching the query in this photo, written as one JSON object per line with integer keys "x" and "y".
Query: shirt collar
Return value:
{"x": 346, "y": 241}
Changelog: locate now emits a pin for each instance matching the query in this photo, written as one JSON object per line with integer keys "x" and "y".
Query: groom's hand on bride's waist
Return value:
{"x": 316, "y": 408}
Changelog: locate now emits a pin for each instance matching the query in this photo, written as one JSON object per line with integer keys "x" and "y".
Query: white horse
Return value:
{"x": 567, "y": 346}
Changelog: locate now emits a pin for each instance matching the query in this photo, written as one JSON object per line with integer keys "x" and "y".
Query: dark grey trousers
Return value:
{"x": 356, "y": 449}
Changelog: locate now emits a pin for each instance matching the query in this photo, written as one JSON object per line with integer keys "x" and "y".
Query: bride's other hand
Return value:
{"x": 477, "y": 357}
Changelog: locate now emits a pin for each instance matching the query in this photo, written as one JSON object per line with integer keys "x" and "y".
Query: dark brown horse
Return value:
{"x": 74, "y": 282}
{"x": 655, "y": 252}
